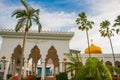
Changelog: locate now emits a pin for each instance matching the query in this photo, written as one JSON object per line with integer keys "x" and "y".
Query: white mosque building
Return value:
{"x": 44, "y": 53}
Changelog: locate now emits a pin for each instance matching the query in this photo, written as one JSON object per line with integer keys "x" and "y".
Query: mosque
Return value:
{"x": 44, "y": 53}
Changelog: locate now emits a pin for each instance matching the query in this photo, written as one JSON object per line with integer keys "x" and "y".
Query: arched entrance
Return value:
{"x": 117, "y": 64}
{"x": 52, "y": 60}
{"x": 108, "y": 63}
{"x": 35, "y": 56}
{"x": 16, "y": 56}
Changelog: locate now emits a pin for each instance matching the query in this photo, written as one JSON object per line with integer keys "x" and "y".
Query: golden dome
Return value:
{"x": 93, "y": 50}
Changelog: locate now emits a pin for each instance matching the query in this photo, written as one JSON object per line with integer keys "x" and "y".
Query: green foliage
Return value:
{"x": 26, "y": 17}
{"x": 83, "y": 23}
{"x": 105, "y": 29}
{"x": 75, "y": 62}
{"x": 62, "y": 76}
{"x": 116, "y": 24}
{"x": 113, "y": 70}
{"x": 9, "y": 76}
{"x": 93, "y": 70}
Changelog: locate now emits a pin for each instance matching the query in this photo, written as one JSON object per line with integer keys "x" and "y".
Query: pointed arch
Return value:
{"x": 16, "y": 55}
{"x": 117, "y": 64}
{"x": 108, "y": 63}
{"x": 35, "y": 55}
{"x": 52, "y": 54}
{"x": 16, "y": 59}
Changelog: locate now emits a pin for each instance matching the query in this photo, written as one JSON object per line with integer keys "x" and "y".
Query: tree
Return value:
{"x": 25, "y": 18}
{"x": 94, "y": 69}
{"x": 74, "y": 64}
{"x": 84, "y": 25}
{"x": 117, "y": 23}
{"x": 107, "y": 31}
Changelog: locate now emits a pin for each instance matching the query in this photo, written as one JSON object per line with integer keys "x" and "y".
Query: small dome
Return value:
{"x": 93, "y": 50}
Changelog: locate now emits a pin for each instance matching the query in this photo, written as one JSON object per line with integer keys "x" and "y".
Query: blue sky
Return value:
{"x": 55, "y": 5}
{"x": 60, "y": 15}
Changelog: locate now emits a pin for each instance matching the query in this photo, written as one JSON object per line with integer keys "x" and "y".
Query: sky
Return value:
{"x": 60, "y": 15}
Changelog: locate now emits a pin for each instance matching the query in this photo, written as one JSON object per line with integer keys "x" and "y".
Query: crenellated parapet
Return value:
{"x": 34, "y": 34}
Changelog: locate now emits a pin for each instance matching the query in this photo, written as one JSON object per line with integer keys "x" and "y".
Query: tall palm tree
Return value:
{"x": 107, "y": 31}
{"x": 117, "y": 23}
{"x": 25, "y": 18}
{"x": 94, "y": 69}
{"x": 84, "y": 25}
{"x": 74, "y": 64}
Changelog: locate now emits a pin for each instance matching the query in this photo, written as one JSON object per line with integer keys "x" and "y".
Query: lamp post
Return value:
{"x": 64, "y": 59}
{"x": 4, "y": 64}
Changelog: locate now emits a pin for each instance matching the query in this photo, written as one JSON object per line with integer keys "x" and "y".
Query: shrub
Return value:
{"x": 9, "y": 76}
{"x": 62, "y": 76}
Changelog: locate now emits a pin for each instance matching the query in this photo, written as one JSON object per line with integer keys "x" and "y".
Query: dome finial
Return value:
{"x": 92, "y": 41}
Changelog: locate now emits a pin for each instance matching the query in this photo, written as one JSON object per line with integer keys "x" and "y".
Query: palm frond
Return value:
{"x": 83, "y": 23}
{"x": 93, "y": 70}
{"x": 20, "y": 24}
{"x": 19, "y": 13}
{"x": 26, "y": 5}
{"x": 36, "y": 20}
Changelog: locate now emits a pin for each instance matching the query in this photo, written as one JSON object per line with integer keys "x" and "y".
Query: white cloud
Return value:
{"x": 101, "y": 10}
{"x": 52, "y": 21}
{"x": 57, "y": 20}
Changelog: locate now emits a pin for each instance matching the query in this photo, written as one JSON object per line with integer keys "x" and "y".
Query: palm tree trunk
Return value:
{"x": 88, "y": 43}
{"x": 22, "y": 55}
{"x": 112, "y": 49}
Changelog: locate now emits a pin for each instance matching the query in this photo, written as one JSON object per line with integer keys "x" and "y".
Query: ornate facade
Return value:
{"x": 43, "y": 50}
{"x": 44, "y": 53}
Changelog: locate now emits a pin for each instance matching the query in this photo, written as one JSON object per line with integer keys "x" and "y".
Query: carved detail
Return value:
{"x": 17, "y": 54}
{"x": 52, "y": 54}
{"x": 35, "y": 55}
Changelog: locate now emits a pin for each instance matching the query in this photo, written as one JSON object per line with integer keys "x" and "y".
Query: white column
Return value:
{"x": 6, "y": 69}
{"x": 56, "y": 70}
{"x": 43, "y": 70}
{"x": 61, "y": 66}
{"x": 25, "y": 66}
{"x": 2, "y": 68}
{"x": 11, "y": 67}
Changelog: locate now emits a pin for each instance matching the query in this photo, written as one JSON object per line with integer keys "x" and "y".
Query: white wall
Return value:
{"x": 8, "y": 45}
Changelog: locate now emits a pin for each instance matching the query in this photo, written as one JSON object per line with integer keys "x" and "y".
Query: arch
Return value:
{"x": 16, "y": 55}
{"x": 16, "y": 58}
{"x": 117, "y": 64}
{"x": 108, "y": 63}
{"x": 52, "y": 54}
{"x": 35, "y": 55}
{"x": 53, "y": 57}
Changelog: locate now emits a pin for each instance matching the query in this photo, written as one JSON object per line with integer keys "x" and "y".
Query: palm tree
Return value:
{"x": 25, "y": 18}
{"x": 84, "y": 25}
{"x": 94, "y": 69}
{"x": 106, "y": 31}
{"x": 117, "y": 23}
{"x": 74, "y": 64}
